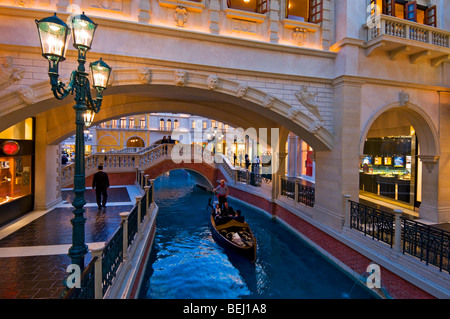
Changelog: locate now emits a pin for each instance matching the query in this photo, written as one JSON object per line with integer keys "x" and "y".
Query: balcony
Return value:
{"x": 398, "y": 36}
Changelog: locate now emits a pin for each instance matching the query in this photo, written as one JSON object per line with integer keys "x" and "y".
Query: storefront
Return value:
{"x": 388, "y": 169}
{"x": 16, "y": 171}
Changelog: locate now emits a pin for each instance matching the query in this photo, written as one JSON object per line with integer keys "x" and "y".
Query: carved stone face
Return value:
{"x": 212, "y": 82}
{"x": 180, "y": 77}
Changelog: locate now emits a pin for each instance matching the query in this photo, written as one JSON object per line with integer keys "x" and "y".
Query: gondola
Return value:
{"x": 234, "y": 235}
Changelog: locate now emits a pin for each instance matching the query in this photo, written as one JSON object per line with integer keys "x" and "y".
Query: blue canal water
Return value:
{"x": 186, "y": 262}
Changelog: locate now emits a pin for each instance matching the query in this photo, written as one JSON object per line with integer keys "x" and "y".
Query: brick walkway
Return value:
{"x": 33, "y": 250}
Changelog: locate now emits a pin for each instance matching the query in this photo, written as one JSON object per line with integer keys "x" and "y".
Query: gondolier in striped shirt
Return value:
{"x": 222, "y": 194}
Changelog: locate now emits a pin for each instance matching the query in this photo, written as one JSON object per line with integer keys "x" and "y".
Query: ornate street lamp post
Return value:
{"x": 54, "y": 35}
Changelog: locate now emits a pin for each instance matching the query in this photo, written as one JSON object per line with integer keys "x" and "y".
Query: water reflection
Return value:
{"x": 187, "y": 263}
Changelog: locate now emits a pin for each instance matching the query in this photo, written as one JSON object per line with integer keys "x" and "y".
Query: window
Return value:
{"x": 123, "y": 122}
{"x": 131, "y": 122}
{"x": 176, "y": 124}
{"x": 258, "y": 6}
{"x": 114, "y": 123}
{"x": 205, "y": 125}
{"x": 162, "y": 125}
{"x": 169, "y": 125}
{"x": 193, "y": 124}
{"x": 213, "y": 123}
{"x": 304, "y": 10}
{"x": 408, "y": 10}
{"x": 142, "y": 123}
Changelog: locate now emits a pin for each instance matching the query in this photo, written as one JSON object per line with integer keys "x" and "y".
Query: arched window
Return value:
{"x": 162, "y": 125}
{"x": 169, "y": 125}
{"x": 176, "y": 124}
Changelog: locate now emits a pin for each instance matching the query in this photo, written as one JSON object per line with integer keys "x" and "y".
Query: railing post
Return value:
{"x": 139, "y": 213}
{"x": 142, "y": 178}
{"x": 147, "y": 200}
{"x": 235, "y": 176}
{"x": 96, "y": 251}
{"x": 398, "y": 230}
{"x": 152, "y": 185}
{"x": 347, "y": 211}
{"x": 124, "y": 220}
{"x": 296, "y": 185}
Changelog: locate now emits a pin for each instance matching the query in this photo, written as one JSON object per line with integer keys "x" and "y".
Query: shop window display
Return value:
{"x": 387, "y": 168}
{"x": 15, "y": 177}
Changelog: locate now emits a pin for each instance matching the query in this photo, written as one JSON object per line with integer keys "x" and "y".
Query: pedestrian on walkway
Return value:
{"x": 101, "y": 184}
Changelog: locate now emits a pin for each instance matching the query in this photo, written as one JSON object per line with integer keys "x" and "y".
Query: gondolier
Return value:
{"x": 222, "y": 194}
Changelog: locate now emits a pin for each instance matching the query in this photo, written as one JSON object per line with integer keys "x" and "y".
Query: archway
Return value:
{"x": 395, "y": 144}
{"x": 135, "y": 141}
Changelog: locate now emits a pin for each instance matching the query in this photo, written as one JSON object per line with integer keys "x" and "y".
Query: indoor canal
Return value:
{"x": 187, "y": 263}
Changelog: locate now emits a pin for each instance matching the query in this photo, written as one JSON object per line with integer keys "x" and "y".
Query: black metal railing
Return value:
{"x": 428, "y": 243}
{"x": 372, "y": 222}
{"x": 287, "y": 188}
{"x": 112, "y": 258}
{"x": 87, "y": 282}
{"x": 306, "y": 195}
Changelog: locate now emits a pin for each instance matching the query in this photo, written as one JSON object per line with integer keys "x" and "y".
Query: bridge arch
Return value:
{"x": 134, "y": 91}
{"x": 208, "y": 173}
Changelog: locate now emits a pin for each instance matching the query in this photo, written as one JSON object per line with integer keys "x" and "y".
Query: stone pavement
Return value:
{"x": 33, "y": 249}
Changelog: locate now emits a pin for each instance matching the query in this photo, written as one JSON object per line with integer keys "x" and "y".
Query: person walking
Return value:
{"x": 100, "y": 183}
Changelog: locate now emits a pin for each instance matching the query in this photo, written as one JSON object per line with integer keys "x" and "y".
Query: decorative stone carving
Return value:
{"x": 180, "y": 77}
{"x": 429, "y": 161}
{"x": 27, "y": 95}
{"x": 212, "y": 82}
{"x": 315, "y": 126}
{"x": 24, "y": 3}
{"x": 9, "y": 74}
{"x": 244, "y": 26}
{"x": 403, "y": 98}
{"x": 145, "y": 75}
{"x": 180, "y": 17}
{"x": 115, "y": 5}
{"x": 306, "y": 98}
{"x": 300, "y": 36}
{"x": 269, "y": 100}
{"x": 293, "y": 112}
{"x": 241, "y": 90}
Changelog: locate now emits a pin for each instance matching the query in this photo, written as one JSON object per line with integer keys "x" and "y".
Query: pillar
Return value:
{"x": 47, "y": 189}
{"x": 337, "y": 171}
{"x": 97, "y": 251}
{"x": 292, "y": 155}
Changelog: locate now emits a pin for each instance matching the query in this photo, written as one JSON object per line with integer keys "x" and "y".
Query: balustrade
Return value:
{"x": 392, "y": 26}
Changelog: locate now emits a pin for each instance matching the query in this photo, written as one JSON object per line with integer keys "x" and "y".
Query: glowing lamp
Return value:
{"x": 53, "y": 35}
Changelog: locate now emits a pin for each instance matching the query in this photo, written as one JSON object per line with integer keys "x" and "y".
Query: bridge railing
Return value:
{"x": 116, "y": 162}
{"x": 101, "y": 272}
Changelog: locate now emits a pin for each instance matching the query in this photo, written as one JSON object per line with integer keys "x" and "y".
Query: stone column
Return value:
{"x": 435, "y": 205}
{"x": 292, "y": 155}
{"x": 337, "y": 170}
{"x": 47, "y": 191}
{"x": 274, "y": 17}
{"x": 214, "y": 16}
